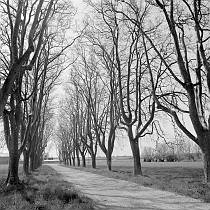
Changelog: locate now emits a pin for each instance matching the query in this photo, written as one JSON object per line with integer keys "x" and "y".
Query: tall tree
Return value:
{"x": 108, "y": 77}
{"x": 27, "y": 40}
{"x": 181, "y": 43}
{"x": 22, "y": 39}
{"x": 87, "y": 84}
{"x": 136, "y": 102}
{"x": 22, "y": 35}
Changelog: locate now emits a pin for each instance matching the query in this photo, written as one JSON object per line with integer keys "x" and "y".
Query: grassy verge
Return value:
{"x": 184, "y": 181}
{"x": 43, "y": 190}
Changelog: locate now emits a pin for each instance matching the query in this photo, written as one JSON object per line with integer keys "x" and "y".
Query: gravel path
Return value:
{"x": 115, "y": 194}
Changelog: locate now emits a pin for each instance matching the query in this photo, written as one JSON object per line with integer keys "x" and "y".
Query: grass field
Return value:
{"x": 3, "y": 170}
{"x": 128, "y": 161}
{"x": 185, "y": 178}
{"x": 43, "y": 190}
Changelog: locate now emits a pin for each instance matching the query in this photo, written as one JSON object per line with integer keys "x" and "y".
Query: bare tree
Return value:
{"x": 72, "y": 127}
{"x": 194, "y": 80}
{"x": 181, "y": 43}
{"x": 108, "y": 77}
{"x": 26, "y": 24}
{"x": 65, "y": 144}
{"x": 86, "y": 84}
{"x": 24, "y": 122}
{"x": 136, "y": 102}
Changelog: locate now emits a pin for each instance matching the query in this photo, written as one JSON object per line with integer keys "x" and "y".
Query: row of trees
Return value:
{"x": 32, "y": 43}
{"x": 139, "y": 60}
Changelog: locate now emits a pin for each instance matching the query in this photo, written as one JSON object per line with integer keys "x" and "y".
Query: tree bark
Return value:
{"x": 109, "y": 161}
{"x": 26, "y": 162}
{"x": 69, "y": 160}
{"x": 78, "y": 158}
{"x": 205, "y": 147}
{"x": 64, "y": 158}
{"x": 13, "y": 178}
{"x": 12, "y": 144}
{"x": 206, "y": 160}
{"x": 93, "y": 158}
{"x": 83, "y": 161}
{"x": 73, "y": 160}
{"x": 136, "y": 156}
{"x": 32, "y": 165}
{"x": 37, "y": 160}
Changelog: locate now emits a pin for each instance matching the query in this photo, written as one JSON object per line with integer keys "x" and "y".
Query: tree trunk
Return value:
{"x": 73, "y": 156}
{"x": 8, "y": 175}
{"x": 78, "y": 161}
{"x": 32, "y": 166}
{"x": 93, "y": 157}
{"x": 26, "y": 162}
{"x": 64, "y": 157}
{"x": 13, "y": 178}
{"x": 206, "y": 160}
{"x": 12, "y": 145}
{"x": 204, "y": 144}
{"x": 109, "y": 161}
{"x": 70, "y": 163}
{"x": 73, "y": 160}
{"x": 37, "y": 161}
{"x": 78, "y": 158}
{"x": 83, "y": 161}
{"x": 67, "y": 159}
{"x": 136, "y": 156}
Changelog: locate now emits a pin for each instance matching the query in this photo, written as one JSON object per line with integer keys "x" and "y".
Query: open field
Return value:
{"x": 3, "y": 169}
{"x": 128, "y": 162}
{"x": 4, "y": 160}
{"x": 43, "y": 190}
{"x": 185, "y": 178}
